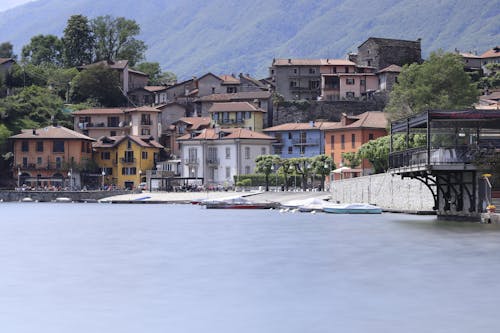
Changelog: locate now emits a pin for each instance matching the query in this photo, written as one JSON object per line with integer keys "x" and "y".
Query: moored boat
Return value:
{"x": 238, "y": 203}
{"x": 354, "y": 208}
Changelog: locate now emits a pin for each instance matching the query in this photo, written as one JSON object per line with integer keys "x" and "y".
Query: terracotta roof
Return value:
{"x": 195, "y": 122}
{"x": 469, "y": 55}
{"x": 235, "y": 96}
{"x": 391, "y": 69}
{"x": 313, "y": 125}
{"x": 229, "y": 79}
{"x": 369, "y": 119}
{"x": 51, "y": 132}
{"x": 253, "y": 80}
{"x": 312, "y": 62}
{"x": 119, "y": 64}
{"x": 493, "y": 53}
{"x": 155, "y": 88}
{"x": 492, "y": 96}
{"x": 5, "y": 60}
{"x": 144, "y": 108}
{"x": 163, "y": 106}
{"x": 226, "y": 133}
{"x": 98, "y": 111}
{"x": 113, "y": 141}
{"x": 350, "y": 74}
{"x": 234, "y": 107}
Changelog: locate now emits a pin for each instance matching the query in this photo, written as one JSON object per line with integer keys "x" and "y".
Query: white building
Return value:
{"x": 216, "y": 156}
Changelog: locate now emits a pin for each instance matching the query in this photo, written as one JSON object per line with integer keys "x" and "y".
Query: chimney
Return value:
{"x": 289, "y": 60}
{"x": 311, "y": 123}
{"x": 343, "y": 119}
{"x": 34, "y": 131}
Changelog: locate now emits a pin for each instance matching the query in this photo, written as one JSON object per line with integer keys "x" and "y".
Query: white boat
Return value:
{"x": 354, "y": 208}
{"x": 312, "y": 205}
{"x": 62, "y": 199}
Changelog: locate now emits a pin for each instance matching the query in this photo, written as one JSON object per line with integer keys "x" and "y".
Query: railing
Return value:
{"x": 191, "y": 161}
{"x": 437, "y": 156}
{"x": 212, "y": 161}
{"x": 231, "y": 121}
{"x": 146, "y": 122}
{"x": 127, "y": 160}
{"x": 160, "y": 173}
{"x": 44, "y": 166}
{"x": 308, "y": 142}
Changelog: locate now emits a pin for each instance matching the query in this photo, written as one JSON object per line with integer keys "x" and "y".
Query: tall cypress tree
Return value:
{"x": 78, "y": 42}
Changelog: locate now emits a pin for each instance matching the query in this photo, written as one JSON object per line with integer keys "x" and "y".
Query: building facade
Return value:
{"x": 237, "y": 114}
{"x": 383, "y": 52}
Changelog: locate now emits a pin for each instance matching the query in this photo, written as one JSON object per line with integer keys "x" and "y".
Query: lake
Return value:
{"x": 181, "y": 268}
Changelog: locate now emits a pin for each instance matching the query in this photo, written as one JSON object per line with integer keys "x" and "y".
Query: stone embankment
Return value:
{"x": 48, "y": 196}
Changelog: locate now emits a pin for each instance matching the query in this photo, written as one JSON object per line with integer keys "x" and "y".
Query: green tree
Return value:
{"x": 266, "y": 164}
{"x": 353, "y": 159}
{"x": 438, "y": 83}
{"x": 97, "y": 83}
{"x": 77, "y": 42}
{"x": 26, "y": 75}
{"x": 492, "y": 79}
{"x": 43, "y": 50}
{"x": 115, "y": 39}
{"x": 286, "y": 169}
{"x": 7, "y": 50}
{"x": 322, "y": 165}
{"x": 167, "y": 78}
{"x": 303, "y": 167}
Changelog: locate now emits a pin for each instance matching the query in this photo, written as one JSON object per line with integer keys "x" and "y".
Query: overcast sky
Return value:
{"x": 7, "y": 4}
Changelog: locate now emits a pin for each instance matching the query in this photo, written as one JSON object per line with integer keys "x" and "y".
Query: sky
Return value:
{"x": 7, "y": 4}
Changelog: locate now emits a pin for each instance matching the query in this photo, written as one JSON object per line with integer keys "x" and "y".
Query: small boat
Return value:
{"x": 354, "y": 208}
{"x": 312, "y": 205}
{"x": 238, "y": 203}
{"x": 63, "y": 199}
{"x": 27, "y": 199}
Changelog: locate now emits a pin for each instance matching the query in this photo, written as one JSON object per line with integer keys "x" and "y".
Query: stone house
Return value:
{"x": 387, "y": 77}
{"x": 383, "y": 52}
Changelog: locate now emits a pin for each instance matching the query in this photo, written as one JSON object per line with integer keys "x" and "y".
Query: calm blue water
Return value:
{"x": 174, "y": 268}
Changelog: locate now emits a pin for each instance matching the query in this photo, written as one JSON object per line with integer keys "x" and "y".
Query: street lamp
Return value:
{"x": 103, "y": 173}
{"x": 70, "y": 173}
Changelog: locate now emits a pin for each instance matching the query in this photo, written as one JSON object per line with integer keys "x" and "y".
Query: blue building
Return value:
{"x": 299, "y": 139}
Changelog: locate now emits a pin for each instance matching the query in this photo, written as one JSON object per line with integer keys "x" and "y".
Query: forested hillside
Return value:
{"x": 193, "y": 37}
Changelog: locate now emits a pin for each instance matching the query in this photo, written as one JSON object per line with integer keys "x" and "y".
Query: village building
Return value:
{"x": 351, "y": 133}
{"x": 388, "y": 77}
{"x": 383, "y": 52}
{"x": 217, "y": 156}
{"x": 53, "y": 156}
{"x": 123, "y": 160}
{"x": 491, "y": 56}
{"x": 238, "y": 114}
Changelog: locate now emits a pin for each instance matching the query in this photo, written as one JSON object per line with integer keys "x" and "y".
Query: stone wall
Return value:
{"x": 305, "y": 111}
{"x": 47, "y": 196}
{"x": 384, "y": 190}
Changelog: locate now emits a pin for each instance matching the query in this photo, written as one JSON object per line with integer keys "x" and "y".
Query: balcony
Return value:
{"x": 127, "y": 160}
{"x": 308, "y": 142}
{"x": 231, "y": 121}
{"x": 416, "y": 157}
{"x": 146, "y": 122}
{"x": 277, "y": 143}
{"x": 191, "y": 161}
{"x": 213, "y": 161}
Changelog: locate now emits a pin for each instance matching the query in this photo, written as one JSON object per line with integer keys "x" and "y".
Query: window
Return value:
{"x": 289, "y": 135}
{"x": 145, "y": 131}
{"x": 247, "y": 170}
{"x": 332, "y": 141}
{"x": 290, "y": 150}
{"x": 312, "y": 70}
{"x": 192, "y": 153}
{"x": 349, "y": 81}
{"x": 58, "y": 162}
{"x": 113, "y": 121}
{"x": 346, "y": 69}
{"x": 302, "y": 150}
{"x": 349, "y": 94}
{"x": 25, "y": 146}
{"x": 212, "y": 154}
{"x": 144, "y": 155}
{"x": 362, "y": 82}
{"x": 112, "y": 133}
{"x": 278, "y": 150}
{"x": 263, "y": 151}
{"x": 228, "y": 153}
{"x": 248, "y": 115}
{"x": 213, "y": 90}
{"x": 228, "y": 172}
{"x": 145, "y": 119}
{"x": 353, "y": 140}
{"x": 39, "y": 160}
{"x": 231, "y": 90}
{"x": 247, "y": 153}
{"x": 107, "y": 171}
{"x": 25, "y": 162}
{"x": 314, "y": 84}
{"x": 39, "y": 146}
{"x": 342, "y": 141}
{"x": 129, "y": 171}
{"x": 293, "y": 84}
{"x": 105, "y": 155}
{"x": 58, "y": 146}
{"x": 295, "y": 70}
{"x": 129, "y": 144}
{"x": 128, "y": 156}
{"x": 370, "y": 136}
{"x": 303, "y": 137}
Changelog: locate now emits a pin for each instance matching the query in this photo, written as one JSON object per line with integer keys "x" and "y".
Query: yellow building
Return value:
{"x": 238, "y": 115}
{"x": 123, "y": 160}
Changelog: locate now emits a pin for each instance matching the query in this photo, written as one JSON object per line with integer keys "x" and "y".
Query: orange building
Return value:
{"x": 352, "y": 132}
{"x": 50, "y": 156}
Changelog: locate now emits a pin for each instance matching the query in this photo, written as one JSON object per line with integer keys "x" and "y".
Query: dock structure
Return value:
{"x": 456, "y": 151}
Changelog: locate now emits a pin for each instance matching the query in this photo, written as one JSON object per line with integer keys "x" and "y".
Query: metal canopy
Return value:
{"x": 449, "y": 118}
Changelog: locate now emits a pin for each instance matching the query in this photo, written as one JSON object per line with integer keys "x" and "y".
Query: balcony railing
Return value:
{"x": 212, "y": 161}
{"x": 43, "y": 166}
{"x": 230, "y": 121}
{"x": 146, "y": 122}
{"x": 191, "y": 161}
{"x": 308, "y": 142}
{"x": 127, "y": 160}
{"x": 435, "y": 156}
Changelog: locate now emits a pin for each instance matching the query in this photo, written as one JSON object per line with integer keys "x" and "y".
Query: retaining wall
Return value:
{"x": 48, "y": 196}
{"x": 384, "y": 190}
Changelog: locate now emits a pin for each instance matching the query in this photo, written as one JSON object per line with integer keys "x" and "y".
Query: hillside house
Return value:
{"x": 237, "y": 114}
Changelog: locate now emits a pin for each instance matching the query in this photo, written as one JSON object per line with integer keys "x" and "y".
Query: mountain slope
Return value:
{"x": 193, "y": 37}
